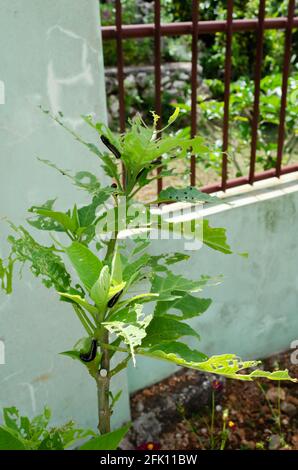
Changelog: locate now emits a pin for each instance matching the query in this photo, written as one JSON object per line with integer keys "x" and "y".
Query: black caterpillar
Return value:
{"x": 90, "y": 355}
{"x": 110, "y": 146}
{"x": 114, "y": 299}
{"x": 141, "y": 173}
{"x": 152, "y": 164}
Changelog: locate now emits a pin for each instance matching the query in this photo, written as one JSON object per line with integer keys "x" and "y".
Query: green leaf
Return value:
{"x": 6, "y": 273}
{"x": 132, "y": 267}
{"x": 227, "y": 365}
{"x": 80, "y": 301}
{"x": 110, "y": 167}
{"x": 109, "y": 441}
{"x": 115, "y": 289}
{"x": 116, "y": 268}
{"x": 87, "y": 214}
{"x": 166, "y": 329}
{"x": 43, "y": 260}
{"x": 41, "y": 222}
{"x": 138, "y": 299}
{"x": 86, "y": 264}
{"x": 188, "y": 305}
{"x": 100, "y": 290}
{"x": 8, "y": 441}
{"x": 166, "y": 285}
{"x": 188, "y": 194}
{"x": 75, "y": 217}
{"x": 180, "y": 349}
{"x": 53, "y": 441}
{"x": 63, "y": 219}
{"x": 73, "y": 354}
{"x": 82, "y": 346}
{"x": 215, "y": 238}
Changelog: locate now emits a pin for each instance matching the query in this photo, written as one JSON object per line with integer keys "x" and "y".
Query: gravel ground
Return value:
{"x": 176, "y": 414}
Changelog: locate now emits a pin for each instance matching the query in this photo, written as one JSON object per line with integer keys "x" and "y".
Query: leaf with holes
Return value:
{"x": 132, "y": 331}
{"x": 215, "y": 238}
{"x": 227, "y": 365}
{"x": 188, "y": 194}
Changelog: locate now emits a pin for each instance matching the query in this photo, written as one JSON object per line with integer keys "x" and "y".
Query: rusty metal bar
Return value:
{"x": 285, "y": 78}
{"x": 194, "y": 83}
{"x": 120, "y": 73}
{"x": 120, "y": 64}
{"x": 233, "y": 183}
{"x": 205, "y": 27}
{"x": 157, "y": 71}
{"x": 256, "y": 108}
{"x": 228, "y": 70}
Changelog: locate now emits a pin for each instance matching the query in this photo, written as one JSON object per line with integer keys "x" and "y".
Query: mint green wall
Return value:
{"x": 50, "y": 55}
{"x": 255, "y": 310}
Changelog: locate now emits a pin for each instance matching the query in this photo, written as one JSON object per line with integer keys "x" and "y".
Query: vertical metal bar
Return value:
{"x": 194, "y": 83}
{"x": 285, "y": 78}
{"x": 228, "y": 70}
{"x": 120, "y": 73}
{"x": 157, "y": 73}
{"x": 258, "y": 74}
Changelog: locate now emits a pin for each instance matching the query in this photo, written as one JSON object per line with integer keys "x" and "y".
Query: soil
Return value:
{"x": 175, "y": 414}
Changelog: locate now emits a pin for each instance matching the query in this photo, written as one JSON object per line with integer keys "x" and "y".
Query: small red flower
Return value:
{"x": 217, "y": 385}
{"x": 149, "y": 446}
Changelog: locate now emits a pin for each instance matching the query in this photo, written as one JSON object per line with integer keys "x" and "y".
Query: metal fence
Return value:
{"x": 195, "y": 28}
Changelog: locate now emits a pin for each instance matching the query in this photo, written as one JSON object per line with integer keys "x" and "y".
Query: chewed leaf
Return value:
{"x": 188, "y": 194}
{"x": 215, "y": 238}
{"x": 132, "y": 328}
{"x": 228, "y": 365}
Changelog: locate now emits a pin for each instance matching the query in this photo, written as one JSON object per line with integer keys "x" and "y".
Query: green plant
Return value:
{"x": 241, "y": 115}
{"x": 115, "y": 278}
{"x": 20, "y": 433}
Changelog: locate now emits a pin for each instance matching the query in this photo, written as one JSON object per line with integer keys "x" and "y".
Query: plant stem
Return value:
{"x": 224, "y": 437}
{"x": 83, "y": 319}
{"x": 103, "y": 375}
{"x": 278, "y": 409}
{"x": 103, "y": 387}
{"x": 212, "y": 421}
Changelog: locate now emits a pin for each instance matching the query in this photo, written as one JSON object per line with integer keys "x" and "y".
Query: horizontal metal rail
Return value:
{"x": 204, "y": 27}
